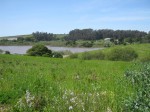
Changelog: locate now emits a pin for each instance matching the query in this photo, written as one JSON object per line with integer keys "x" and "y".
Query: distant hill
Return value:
{"x": 59, "y": 36}
{"x": 16, "y": 36}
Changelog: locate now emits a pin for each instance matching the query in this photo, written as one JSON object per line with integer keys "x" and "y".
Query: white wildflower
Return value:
{"x": 73, "y": 99}
{"x": 20, "y": 104}
{"x": 70, "y": 107}
{"x": 72, "y": 93}
{"x": 29, "y": 98}
{"x": 64, "y": 97}
{"x": 108, "y": 109}
{"x": 65, "y": 92}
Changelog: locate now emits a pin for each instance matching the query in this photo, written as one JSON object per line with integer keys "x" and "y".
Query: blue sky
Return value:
{"x": 60, "y": 16}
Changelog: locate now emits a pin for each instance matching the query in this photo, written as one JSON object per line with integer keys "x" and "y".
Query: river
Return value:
{"x": 23, "y": 49}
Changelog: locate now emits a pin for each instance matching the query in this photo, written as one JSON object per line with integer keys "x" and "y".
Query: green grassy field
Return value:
{"x": 143, "y": 51}
{"x": 45, "y": 84}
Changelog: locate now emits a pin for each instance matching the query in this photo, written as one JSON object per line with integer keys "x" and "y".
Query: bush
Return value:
{"x": 65, "y": 52}
{"x": 39, "y": 50}
{"x": 99, "y": 55}
{"x": 57, "y": 55}
{"x": 122, "y": 54}
{"x": 73, "y": 56}
{"x": 140, "y": 78}
{"x": 93, "y": 56}
{"x": 87, "y": 44}
{"x": 86, "y": 56}
{"x": 7, "y": 52}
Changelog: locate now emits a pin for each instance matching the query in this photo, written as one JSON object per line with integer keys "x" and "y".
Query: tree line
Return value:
{"x": 90, "y": 34}
{"x": 38, "y": 36}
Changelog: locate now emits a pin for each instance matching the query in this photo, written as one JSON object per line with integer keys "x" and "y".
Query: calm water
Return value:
{"x": 23, "y": 49}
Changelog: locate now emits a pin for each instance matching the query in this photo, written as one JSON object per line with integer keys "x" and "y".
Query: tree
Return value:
{"x": 43, "y": 36}
{"x": 90, "y": 34}
{"x": 39, "y": 50}
{"x": 7, "y": 52}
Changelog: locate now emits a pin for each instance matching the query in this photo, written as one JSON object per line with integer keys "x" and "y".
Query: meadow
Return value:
{"x": 45, "y": 84}
{"x": 42, "y": 84}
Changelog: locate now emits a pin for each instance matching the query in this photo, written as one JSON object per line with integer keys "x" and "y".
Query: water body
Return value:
{"x": 23, "y": 49}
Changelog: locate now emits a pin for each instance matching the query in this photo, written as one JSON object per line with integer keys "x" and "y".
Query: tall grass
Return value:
{"x": 44, "y": 84}
{"x": 139, "y": 75}
{"x": 138, "y": 52}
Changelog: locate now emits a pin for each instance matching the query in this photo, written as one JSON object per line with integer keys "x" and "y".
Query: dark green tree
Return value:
{"x": 7, "y": 52}
{"x": 43, "y": 36}
{"x": 39, "y": 50}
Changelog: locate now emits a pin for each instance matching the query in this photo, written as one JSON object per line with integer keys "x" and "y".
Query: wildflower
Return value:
{"x": 64, "y": 97}
{"x": 108, "y": 109}
{"x": 72, "y": 93}
{"x": 20, "y": 104}
{"x": 29, "y": 98}
{"x": 73, "y": 99}
{"x": 77, "y": 77}
{"x": 70, "y": 107}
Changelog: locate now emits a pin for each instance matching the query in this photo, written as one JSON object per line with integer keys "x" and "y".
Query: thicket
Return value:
{"x": 41, "y": 50}
{"x": 139, "y": 76}
{"x": 115, "y": 54}
{"x": 122, "y": 54}
{"x": 93, "y": 56}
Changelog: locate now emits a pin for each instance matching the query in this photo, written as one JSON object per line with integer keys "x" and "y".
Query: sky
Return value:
{"x": 19, "y": 17}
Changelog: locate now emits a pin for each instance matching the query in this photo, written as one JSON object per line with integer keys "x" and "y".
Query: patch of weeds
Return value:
{"x": 140, "y": 78}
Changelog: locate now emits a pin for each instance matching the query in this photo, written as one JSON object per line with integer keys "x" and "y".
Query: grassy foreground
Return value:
{"x": 45, "y": 84}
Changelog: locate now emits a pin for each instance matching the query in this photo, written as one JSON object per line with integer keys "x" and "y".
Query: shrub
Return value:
{"x": 46, "y": 55}
{"x": 39, "y": 50}
{"x": 57, "y": 55}
{"x": 99, "y": 55}
{"x": 140, "y": 78}
{"x": 86, "y": 56}
{"x": 122, "y": 54}
{"x": 93, "y": 56}
{"x": 87, "y": 44}
{"x": 65, "y": 52}
{"x": 73, "y": 56}
{"x": 7, "y": 52}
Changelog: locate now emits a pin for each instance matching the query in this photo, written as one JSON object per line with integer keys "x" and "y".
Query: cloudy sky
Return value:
{"x": 60, "y": 16}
